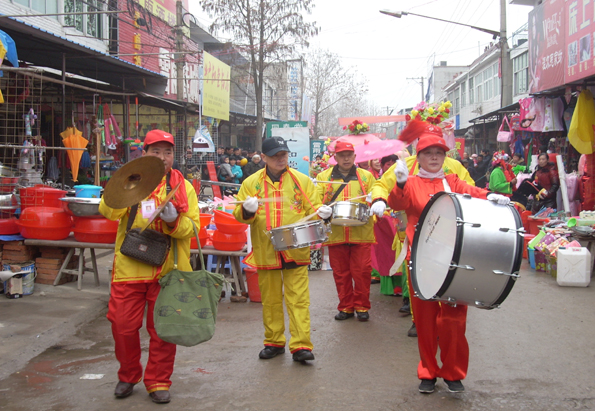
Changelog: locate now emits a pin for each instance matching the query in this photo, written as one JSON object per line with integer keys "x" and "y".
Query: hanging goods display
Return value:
{"x": 503, "y": 135}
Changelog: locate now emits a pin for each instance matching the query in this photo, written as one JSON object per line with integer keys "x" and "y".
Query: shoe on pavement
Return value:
{"x": 375, "y": 281}
{"x": 303, "y": 355}
{"x": 406, "y": 308}
{"x": 270, "y": 352}
{"x": 412, "y": 331}
{"x": 160, "y": 397}
{"x": 363, "y": 316}
{"x": 343, "y": 316}
{"x": 427, "y": 386}
{"x": 123, "y": 389}
{"x": 455, "y": 386}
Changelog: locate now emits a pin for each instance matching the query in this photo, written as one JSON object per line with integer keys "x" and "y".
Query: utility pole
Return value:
{"x": 179, "y": 56}
{"x": 421, "y": 80}
{"x": 506, "y": 63}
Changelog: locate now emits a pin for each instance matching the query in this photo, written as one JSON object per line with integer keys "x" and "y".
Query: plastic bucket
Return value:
{"x": 87, "y": 191}
{"x": 252, "y": 281}
{"x": 28, "y": 279}
{"x": 527, "y": 239}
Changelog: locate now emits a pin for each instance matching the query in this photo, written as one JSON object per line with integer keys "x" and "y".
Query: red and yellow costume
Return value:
{"x": 280, "y": 273}
{"x": 134, "y": 285}
{"x": 437, "y": 324}
{"x": 350, "y": 246}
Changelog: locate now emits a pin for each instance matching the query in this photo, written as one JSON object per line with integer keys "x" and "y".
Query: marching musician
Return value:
{"x": 384, "y": 186}
{"x": 438, "y": 324}
{"x": 349, "y": 247}
{"x": 280, "y": 273}
{"x": 135, "y": 285}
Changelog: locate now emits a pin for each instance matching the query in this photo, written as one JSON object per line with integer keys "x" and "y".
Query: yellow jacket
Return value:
{"x": 387, "y": 182}
{"x": 127, "y": 269}
{"x": 299, "y": 200}
{"x": 363, "y": 185}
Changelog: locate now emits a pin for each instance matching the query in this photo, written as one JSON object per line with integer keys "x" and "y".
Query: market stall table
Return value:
{"x": 71, "y": 243}
{"x": 235, "y": 264}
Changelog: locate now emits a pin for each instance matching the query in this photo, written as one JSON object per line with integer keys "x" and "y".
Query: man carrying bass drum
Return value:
{"x": 438, "y": 324}
{"x": 280, "y": 273}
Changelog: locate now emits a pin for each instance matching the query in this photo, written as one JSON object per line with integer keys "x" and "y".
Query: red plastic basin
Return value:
{"x": 202, "y": 237}
{"x": 205, "y": 220}
{"x": 95, "y": 230}
{"x": 229, "y": 242}
{"x": 40, "y": 196}
{"x": 234, "y": 228}
{"x": 9, "y": 226}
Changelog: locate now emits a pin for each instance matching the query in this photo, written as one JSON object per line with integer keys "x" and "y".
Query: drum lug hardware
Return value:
{"x": 481, "y": 305}
{"x": 451, "y": 301}
{"x": 513, "y": 275}
{"x": 466, "y": 267}
{"x": 518, "y": 230}
{"x": 461, "y": 222}
{"x": 467, "y": 196}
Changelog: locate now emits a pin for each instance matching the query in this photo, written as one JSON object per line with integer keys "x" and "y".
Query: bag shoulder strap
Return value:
{"x": 134, "y": 208}
{"x": 175, "y": 245}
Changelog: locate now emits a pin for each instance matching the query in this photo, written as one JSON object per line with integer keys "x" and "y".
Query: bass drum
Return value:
{"x": 466, "y": 251}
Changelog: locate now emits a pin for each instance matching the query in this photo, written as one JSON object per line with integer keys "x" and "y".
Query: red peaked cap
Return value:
{"x": 429, "y": 135}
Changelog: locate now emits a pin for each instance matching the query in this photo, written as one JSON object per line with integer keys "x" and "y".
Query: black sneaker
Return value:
{"x": 406, "y": 308}
{"x": 427, "y": 386}
{"x": 303, "y": 355}
{"x": 270, "y": 352}
{"x": 343, "y": 316}
{"x": 412, "y": 331}
{"x": 455, "y": 386}
{"x": 375, "y": 281}
{"x": 363, "y": 316}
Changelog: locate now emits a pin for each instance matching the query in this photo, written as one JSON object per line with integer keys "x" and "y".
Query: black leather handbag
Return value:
{"x": 148, "y": 246}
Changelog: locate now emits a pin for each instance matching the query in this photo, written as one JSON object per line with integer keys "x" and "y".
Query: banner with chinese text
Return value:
{"x": 215, "y": 101}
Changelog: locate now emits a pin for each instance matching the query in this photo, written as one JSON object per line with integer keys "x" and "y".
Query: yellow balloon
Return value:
{"x": 243, "y": 162}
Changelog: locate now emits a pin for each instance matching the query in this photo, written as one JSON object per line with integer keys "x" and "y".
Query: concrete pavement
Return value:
{"x": 534, "y": 353}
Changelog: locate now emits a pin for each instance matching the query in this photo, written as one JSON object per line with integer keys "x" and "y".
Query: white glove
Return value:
{"x": 378, "y": 208}
{"x": 498, "y": 198}
{"x": 402, "y": 172}
{"x": 324, "y": 212}
{"x": 251, "y": 205}
{"x": 169, "y": 213}
{"x": 314, "y": 181}
{"x": 369, "y": 198}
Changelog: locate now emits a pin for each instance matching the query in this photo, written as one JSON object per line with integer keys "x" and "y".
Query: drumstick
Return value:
{"x": 260, "y": 200}
{"x": 308, "y": 217}
{"x": 332, "y": 182}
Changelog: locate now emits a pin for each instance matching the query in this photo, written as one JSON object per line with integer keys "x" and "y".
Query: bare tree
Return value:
{"x": 266, "y": 30}
{"x": 331, "y": 85}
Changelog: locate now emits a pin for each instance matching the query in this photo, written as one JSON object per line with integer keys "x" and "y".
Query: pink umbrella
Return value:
{"x": 374, "y": 150}
{"x": 356, "y": 140}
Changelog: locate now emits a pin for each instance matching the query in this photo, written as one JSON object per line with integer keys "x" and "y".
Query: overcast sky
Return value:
{"x": 386, "y": 50}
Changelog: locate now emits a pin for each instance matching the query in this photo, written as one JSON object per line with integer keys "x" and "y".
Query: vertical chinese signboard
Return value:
{"x": 215, "y": 101}
{"x": 580, "y": 30}
{"x": 546, "y": 46}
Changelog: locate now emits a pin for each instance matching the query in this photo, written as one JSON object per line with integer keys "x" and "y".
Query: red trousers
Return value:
{"x": 441, "y": 325}
{"x": 352, "y": 270}
{"x": 125, "y": 312}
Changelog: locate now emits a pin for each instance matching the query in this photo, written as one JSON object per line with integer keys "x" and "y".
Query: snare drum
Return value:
{"x": 298, "y": 235}
{"x": 350, "y": 214}
{"x": 466, "y": 251}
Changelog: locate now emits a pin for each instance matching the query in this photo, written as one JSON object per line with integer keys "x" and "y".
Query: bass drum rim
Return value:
{"x": 516, "y": 266}
{"x": 457, "y": 249}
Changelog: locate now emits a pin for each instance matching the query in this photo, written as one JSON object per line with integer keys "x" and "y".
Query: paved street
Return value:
{"x": 535, "y": 353}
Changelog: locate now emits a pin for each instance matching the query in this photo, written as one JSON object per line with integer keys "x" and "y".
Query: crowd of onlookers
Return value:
{"x": 235, "y": 164}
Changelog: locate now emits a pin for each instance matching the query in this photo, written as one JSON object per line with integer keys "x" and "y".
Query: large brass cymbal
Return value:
{"x": 133, "y": 182}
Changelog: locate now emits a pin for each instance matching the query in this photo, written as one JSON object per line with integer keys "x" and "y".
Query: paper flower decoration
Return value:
{"x": 357, "y": 127}
{"x": 434, "y": 113}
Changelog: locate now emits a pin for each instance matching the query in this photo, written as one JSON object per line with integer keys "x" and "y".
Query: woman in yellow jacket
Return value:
{"x": 135, "y": 284}
{"x": 349, "y": 248}
{"x": 280, "y": 273}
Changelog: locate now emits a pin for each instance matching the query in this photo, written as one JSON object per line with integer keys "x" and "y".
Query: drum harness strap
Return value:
{"x": 266, "y": 194}
{"x": 405, "y": 248}
{"x": 347, "y": 179}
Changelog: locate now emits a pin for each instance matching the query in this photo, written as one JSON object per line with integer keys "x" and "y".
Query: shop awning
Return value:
{"x": 495, "y": 115}
{"x": 40, "y": 47}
